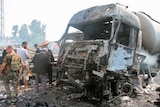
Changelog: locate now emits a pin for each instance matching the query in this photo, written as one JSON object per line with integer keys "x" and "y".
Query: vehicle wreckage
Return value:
{"x": 102, "y": 58}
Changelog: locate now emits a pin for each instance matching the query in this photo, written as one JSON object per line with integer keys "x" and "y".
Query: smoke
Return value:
{"x": 151, "y": 60}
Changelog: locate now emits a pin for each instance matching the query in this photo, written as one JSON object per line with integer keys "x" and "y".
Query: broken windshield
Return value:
{"x": 126, "y": 34}
{"x": 100, "y": 29}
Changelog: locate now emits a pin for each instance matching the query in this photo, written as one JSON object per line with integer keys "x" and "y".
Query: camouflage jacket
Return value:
{"x": 8, "y": 60}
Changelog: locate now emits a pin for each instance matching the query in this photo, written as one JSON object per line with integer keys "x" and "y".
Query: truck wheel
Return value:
{"x": 124, "y": 87}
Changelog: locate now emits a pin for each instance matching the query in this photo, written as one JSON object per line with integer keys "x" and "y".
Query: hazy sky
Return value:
{"x": 56, "y": 13}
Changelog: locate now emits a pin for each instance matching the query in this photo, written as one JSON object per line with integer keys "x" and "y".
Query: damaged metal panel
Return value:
{"x": 97, "y": 13}
{"x": 120, "y": 59}
{"x": 82, "y": 53}
{"x": 101, "y": 58}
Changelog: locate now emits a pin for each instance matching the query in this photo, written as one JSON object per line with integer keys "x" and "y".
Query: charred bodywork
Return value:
{"x": 101, "y": 59}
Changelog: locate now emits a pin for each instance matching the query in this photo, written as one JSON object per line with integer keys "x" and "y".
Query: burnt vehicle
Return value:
{"x": 101, "y": 59}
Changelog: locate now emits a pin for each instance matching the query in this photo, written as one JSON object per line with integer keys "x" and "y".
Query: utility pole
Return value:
{"x": 2, "y": 19}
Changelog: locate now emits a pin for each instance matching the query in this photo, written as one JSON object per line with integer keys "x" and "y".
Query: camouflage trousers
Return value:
{"x": 11, "y": 80}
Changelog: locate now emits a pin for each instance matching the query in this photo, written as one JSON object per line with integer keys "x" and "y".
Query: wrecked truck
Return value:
{"x": 100, "y": 51}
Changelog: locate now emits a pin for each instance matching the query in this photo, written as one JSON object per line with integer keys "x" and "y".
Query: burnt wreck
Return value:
{"x": 101, "y": 59}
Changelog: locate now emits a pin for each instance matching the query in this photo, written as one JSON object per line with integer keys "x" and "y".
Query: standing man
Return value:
{"x": 24, "y": 54}
{"x": 11, "y": 69}
{"x": 41, "y": 63}
{"x": 37, "y": 48}
{"x": 51, "y": 58}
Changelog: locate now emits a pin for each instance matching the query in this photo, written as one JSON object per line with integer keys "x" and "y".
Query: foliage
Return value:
{"x": 15, "y": 30}
{"x": 38, "y": 33}
{"x": 33, "y": 33}
{"x": 23, "y": 33}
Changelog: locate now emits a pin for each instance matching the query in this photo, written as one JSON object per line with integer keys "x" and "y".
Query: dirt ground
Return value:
{"x": 59, "y": 97}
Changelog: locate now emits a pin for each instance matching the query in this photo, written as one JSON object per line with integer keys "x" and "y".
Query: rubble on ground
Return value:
{"x": 61, "y": 97}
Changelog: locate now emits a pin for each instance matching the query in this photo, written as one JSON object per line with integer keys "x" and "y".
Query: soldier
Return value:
{"x": 10, "y": 67}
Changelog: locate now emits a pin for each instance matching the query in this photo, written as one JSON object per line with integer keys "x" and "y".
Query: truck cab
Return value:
{"x": 102, "y": 53}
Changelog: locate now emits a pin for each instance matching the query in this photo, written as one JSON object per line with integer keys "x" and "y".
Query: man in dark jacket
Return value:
{"x": 51, "y": 57}
{"x": 41, "y": 63}
{"x": 37, "y": 48}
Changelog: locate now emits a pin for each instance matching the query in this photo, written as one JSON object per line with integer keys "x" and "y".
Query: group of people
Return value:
{"x": 15, "y": 66}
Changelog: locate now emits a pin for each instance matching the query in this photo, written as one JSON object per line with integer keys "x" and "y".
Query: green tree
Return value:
{"x": 15, "y": 30}
{"x": 23, "y": 33}
{"x": 38, "y": 33}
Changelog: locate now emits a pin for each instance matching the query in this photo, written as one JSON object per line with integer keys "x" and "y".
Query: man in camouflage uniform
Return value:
{"x": 10, "y": 77}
